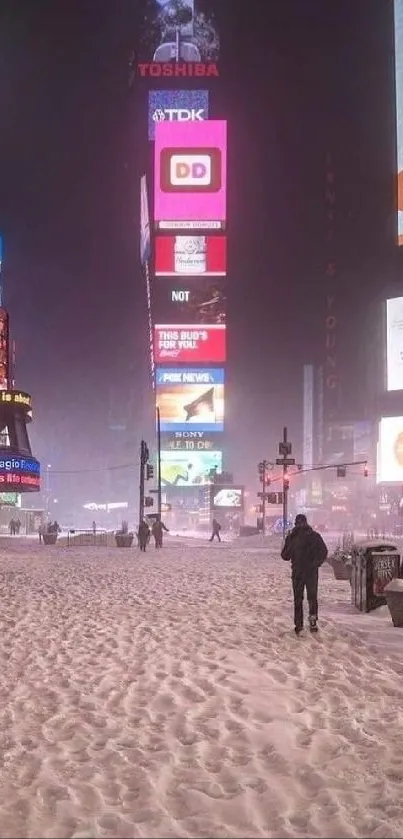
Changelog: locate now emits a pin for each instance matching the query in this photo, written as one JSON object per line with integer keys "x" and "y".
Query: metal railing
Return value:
{"x": 87, "y": 538}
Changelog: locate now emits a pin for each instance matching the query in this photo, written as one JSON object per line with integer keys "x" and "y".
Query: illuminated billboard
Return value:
{"x": 191, "y": 398}
{"x": 176, "y": 106}
{"x": 399, "y": 112}
{"x": 190, "y": 256}
{"x": 394, "y": 343}
{"x": 190, "y": 344}
{"x": 390, "y": 450}
{"x": 145, "y": 244}
{"x": 177, "y": 34}
{"x": 190, "y": 178}
{"x": 18, "y": 474}
{"x": 189, "y": 441}
{"x": 227, "y": 498}
{"x": 190, "y": 301}
{"x": 189, "y": 468}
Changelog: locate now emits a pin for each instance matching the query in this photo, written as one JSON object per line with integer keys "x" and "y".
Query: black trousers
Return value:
{"x": 302, "y": 580}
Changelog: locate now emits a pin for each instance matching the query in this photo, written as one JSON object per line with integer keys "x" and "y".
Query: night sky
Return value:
{"x": 297, "y": 77}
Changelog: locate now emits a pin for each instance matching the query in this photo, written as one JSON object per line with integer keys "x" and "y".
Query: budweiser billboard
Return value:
{"x": 190, "y": 256}
{"x": 190, "y": 344}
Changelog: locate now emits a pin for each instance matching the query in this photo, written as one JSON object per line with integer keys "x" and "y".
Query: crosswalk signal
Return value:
{"x": 148, "y": 501}
{"x": 341, "y": 471}
{"x": 150, "y": 471}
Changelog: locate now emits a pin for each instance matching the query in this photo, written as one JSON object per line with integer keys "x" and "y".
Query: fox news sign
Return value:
{"x": 176, "y": 106}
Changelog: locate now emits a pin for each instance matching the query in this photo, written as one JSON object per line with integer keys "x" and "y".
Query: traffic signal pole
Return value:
{"x": 144, "y": 455}
{"x": 159, "y": 463}
{"x": 264, "y": 472}
{"x": 285, "y": 449}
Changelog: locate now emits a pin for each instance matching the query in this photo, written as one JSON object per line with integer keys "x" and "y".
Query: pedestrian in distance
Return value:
{"x": 306, "y": 551}
{"x": 158, "y": 532}
{"x": 216, "y": 530}
{"x": 143, "y": 535}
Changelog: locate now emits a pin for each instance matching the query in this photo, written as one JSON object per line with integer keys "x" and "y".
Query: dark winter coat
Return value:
{"x": 305, "y": 548}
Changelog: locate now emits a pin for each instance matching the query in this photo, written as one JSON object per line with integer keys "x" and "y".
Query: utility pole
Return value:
{"x": 159, "y": 464}
{"x": 284, "y": 450}
{"x": 144, "y": 456}
{"x": 262, "y": 469}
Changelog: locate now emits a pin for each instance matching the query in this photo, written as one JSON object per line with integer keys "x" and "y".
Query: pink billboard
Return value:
{"x": 190, "y": 178}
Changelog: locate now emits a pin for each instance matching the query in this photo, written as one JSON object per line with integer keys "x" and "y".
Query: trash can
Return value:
{"x": 374, "y": 565}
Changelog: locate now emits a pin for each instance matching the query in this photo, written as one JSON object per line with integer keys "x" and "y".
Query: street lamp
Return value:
{"x": 47, "y": 488}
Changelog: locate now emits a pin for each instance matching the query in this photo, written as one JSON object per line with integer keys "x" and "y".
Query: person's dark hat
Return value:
{"x": 300, "y": 520}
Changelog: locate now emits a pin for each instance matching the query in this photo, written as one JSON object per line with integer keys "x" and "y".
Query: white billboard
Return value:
{"x": 394, "y": 343}
{"x": 390, "y": 451}
{"x": 308, "y": 417}
{"x": 145, "y": 244}
{"x": 398, "y": 4}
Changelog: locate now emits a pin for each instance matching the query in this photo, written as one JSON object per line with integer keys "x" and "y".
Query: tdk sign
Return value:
{"x": 176, "y": 106}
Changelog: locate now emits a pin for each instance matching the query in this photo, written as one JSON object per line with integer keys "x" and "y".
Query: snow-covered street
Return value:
{"x": 166, "y": 694}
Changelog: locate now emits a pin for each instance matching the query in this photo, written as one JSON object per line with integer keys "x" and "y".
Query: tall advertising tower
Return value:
{"x": 183, "y": 247}
{"x": 19, "y": 470}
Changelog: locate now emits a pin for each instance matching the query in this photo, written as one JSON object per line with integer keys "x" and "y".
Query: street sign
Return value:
{"x": 263, "y": 495}
{"x": 285, "y": 461}
{"x": 153, "y": 490}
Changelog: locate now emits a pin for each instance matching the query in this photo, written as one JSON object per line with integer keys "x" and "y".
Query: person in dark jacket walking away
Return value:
{"x": 143, "y": 535}
{"x": 157, "y": 531}
{"x": 306, "y": 551}
{"x": 216, "y": 530}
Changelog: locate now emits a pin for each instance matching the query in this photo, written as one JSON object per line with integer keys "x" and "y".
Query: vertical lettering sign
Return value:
{"x": 331, "y": 370}
{"x": 4, "y": 349}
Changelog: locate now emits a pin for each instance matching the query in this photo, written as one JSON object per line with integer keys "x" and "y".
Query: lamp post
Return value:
{"x": 47, "y": 488}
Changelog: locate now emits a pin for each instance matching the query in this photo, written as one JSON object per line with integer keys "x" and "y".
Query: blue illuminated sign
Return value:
{"x": 191, "y": 399}
{"x": 190, "y": 376}
{"x": 18, "y": 473}
{"x": 176, "y": 106}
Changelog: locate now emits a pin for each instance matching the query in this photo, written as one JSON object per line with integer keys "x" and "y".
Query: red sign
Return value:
{"x": 183, "y": 70}
{"x": 190, "y": 256}
{"x": 190, "y": 344}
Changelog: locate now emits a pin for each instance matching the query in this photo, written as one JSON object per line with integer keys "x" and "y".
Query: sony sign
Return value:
{"x": 176, "y": 106}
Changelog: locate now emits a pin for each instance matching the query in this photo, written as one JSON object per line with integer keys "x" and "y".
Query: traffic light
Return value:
{"x": 365, "y": 471}
{"x": 145, "y": 454}
{"x": 150, "y": 471}
{"x": 286, "y": 483}
{"x": 261, "y": 468}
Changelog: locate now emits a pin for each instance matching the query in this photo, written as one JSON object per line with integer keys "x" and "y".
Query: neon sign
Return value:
{"x": 182, "y": 70}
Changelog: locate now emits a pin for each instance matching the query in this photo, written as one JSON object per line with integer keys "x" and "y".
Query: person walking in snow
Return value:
{"x": 306, "y": 551}
{"x": 216, "y": 530}
{"x": 143, "y": 535}
{"x": 158, "y": 532}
